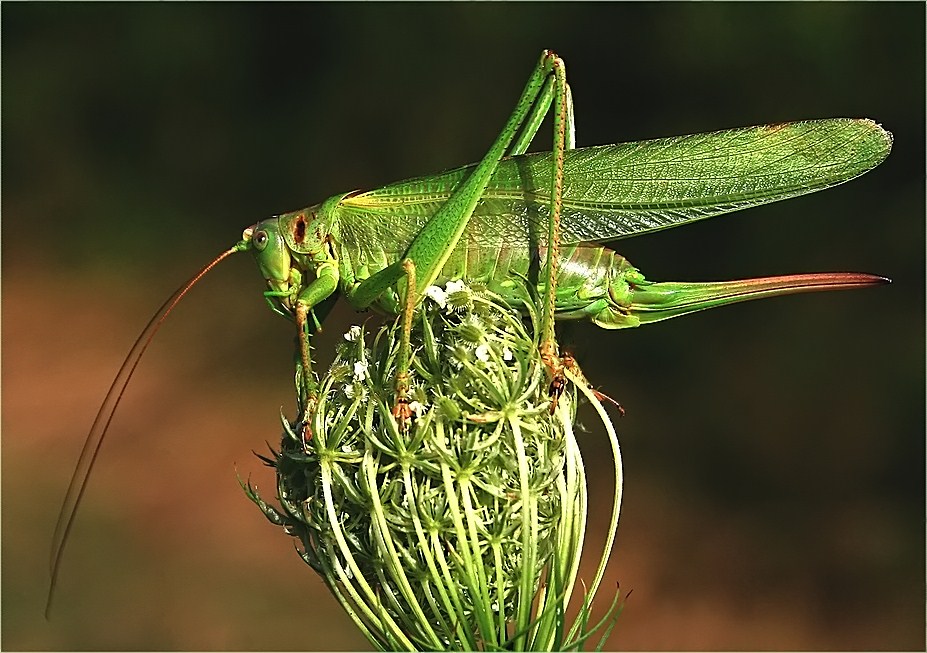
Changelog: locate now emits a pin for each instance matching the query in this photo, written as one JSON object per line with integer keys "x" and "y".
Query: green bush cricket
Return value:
{"x": 538, "y": 217}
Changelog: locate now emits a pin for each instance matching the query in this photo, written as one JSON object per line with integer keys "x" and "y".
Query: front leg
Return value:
{"x": 314, "y": 295}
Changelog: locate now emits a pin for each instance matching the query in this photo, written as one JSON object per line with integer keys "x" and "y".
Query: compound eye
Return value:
{"x": 260, "y": 240}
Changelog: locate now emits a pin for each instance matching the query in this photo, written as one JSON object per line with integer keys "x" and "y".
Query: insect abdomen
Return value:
{"x": 591, "y": 280}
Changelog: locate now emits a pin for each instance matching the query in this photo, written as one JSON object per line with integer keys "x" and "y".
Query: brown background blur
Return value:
{"x": 774, "y": 451}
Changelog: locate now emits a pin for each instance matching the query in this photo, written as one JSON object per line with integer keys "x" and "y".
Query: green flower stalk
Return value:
{"x": 463, "y": 529}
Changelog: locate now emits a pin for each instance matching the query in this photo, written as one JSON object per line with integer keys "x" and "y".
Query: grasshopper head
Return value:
{"x": 271, "y": 253}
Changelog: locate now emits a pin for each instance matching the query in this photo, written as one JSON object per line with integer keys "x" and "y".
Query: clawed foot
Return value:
{"x": 555, "y": 372}
{"x": 402, "y": 409}
{"x": 558, "y": 367}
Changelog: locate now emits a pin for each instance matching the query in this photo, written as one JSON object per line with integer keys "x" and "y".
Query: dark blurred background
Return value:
{"x": 774, "y": 451}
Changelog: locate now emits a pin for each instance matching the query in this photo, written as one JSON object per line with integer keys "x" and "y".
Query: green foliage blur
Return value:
{"x": 774, "y": 451}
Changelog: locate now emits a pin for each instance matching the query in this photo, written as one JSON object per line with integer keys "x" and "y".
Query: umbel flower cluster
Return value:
{"x": 461, "y": 529}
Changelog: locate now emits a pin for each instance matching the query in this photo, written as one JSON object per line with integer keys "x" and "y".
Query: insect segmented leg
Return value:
{"x": 309, "y": 315}
{"x": 302, "y": 313}
{"x": 436, "y": 240}
{"x": 563, "y": 139}
{"x": 309, "y": 386}
{"x": 401, "y": 410}
{"x": 556, "y": 91}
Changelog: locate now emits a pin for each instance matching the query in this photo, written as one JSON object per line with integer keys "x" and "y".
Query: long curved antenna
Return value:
{"x": 88, "y": 454}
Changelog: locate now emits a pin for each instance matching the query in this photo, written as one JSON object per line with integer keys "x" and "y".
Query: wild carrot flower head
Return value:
{"x": 462, "y": 529}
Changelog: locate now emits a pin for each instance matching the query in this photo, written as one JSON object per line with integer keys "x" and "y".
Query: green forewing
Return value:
{"x": 616, "y": 191}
